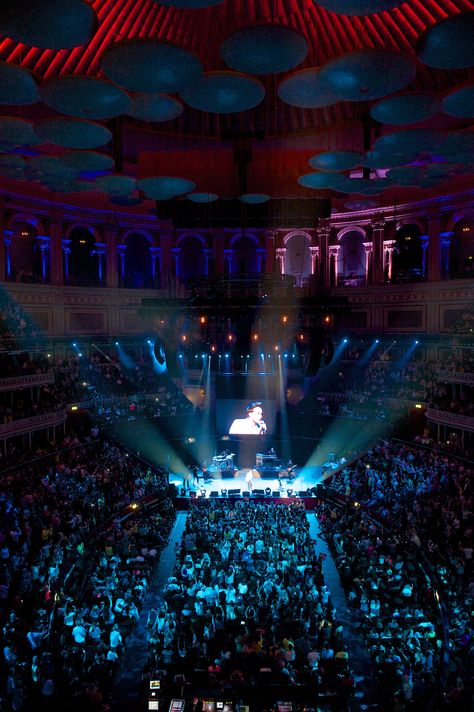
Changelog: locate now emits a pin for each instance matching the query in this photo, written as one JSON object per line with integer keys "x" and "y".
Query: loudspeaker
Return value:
{"x": 245, "y": 493}
{"x": 233, "y": 493}
{"x": 259, "y": 492}
{"x": 214, "y": 493}
{"x": 276, "y": 493}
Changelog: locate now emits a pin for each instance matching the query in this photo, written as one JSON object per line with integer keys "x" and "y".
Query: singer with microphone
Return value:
{"x": 253, "y": 424}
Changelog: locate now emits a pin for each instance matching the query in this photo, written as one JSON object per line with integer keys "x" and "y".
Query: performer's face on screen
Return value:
{"x": 256, "y": 414}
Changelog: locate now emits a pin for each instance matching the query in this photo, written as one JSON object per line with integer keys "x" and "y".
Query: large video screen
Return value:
{"x": 245, "y": 404}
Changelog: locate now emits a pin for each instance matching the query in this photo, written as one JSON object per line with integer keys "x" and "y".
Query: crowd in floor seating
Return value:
{"x": 247, "y": 603}
{"x": 423, "y": 503}
{"x": 73, "y": 574}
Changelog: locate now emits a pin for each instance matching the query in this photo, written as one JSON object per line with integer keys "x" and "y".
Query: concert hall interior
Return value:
{"x": 236, "y": 355}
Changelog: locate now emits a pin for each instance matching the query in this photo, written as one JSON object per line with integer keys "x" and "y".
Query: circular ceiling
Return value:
{"x": 334, "y": 79}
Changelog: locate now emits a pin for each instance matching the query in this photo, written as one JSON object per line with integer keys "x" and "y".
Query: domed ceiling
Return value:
{"x": 282, "y": 98}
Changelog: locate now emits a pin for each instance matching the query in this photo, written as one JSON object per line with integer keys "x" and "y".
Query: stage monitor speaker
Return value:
{"x": 214, "y": 493}
{"x": 259, "y": 492}
{"x": 276, "y": 493}
{"x": 302, "y": 493}
{"x": 245, "y": 494}
{"x": 233, "y": 493}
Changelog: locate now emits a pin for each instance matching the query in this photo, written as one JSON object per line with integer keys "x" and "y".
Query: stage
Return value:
{"x": 302, "y": 480}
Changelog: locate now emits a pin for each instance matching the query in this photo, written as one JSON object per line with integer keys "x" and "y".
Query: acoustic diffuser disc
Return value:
{"x": 358, "y": 7}
{"x": 17, "y": 85}
{"x": 55, "y": 24}
{"x": 403, "y": 109}
{"x": 73, "y": 133}
{"x": 147, "y": 65}
{"x": 224, "y": 93}
{"x": 336, "y": 160}
{"x": 460, "y": 102}
{"x": 368, "y": 74}
{"x": 155, "y": 107}
{"x": 448, "y": 44}
{"x": 264, "y": 49}
{"x": 85, "y": 97}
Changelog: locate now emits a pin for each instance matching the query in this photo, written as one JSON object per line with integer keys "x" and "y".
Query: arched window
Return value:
{"x": 137, "y": 273}
{"x": 298, "y": 257}
{"x": 83, "y": 267}
{"x": 461, "y": 250}
{"x": 408, "y": 257}
{"x": 351, "y": 267}
{"x": 191, "y": 258}
{"x": 26, "y": 256}
{"x": 244, "y": 256}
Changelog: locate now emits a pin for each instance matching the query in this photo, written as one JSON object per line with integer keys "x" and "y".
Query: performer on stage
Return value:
{"x": 253, "y": 424}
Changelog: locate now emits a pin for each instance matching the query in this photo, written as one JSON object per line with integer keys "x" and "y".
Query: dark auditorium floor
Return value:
{"x": 127, "y": 685}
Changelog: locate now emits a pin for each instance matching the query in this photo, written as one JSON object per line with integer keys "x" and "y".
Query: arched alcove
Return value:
{"x": 191, "y": 258}
{"x": 409, "y": 255}
{"x": 137, "y": 262}
{"x": 244, "y": 256}
{"x": 298, "y": 257}
{"x": 26, "y": 263}
{"x": 82, "y": 263}
{"x": 351, "y": 259}
{"x": 461, "y": 249}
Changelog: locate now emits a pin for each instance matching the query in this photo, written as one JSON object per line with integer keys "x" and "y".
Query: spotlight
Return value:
{"x": 203, "y": 492}
{"x": 223, "y": 492}
{"x": 346, "y": 340}
{"x": 148, "y": 342}
{"x": 117, "y": 343}
{"x": 416, "y": 341}
{"x": 289, "y": 492}
{"x": 376, "y": 341}
{"x": 75, "y": 345}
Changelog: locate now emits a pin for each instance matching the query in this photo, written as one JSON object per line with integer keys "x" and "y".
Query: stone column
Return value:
{"x": 314, "y": 252}
{"x": 378, "y": 258}
{"x": 446, "y": 238}
{"x": 66, "y": 244}
{"x": 389, "y": 247}
{"x": 368, "y": 247}
{"x": 111, "y": 269}
{"x": 7, "y": 241}
{"x": 207, "y": 258}
{"x": 261, "y": 260}
{"x": 101, "y": 252}
{"x": 56, "y": 252}
{"x": 166, "y": 240}
{"x": 433, "y": 259}
{"x": 323, "y": 232}
{"x": 155, "y": 253}
{"x": 270, "y": 242}
{"x": 424, "y": 250}
{"x": 228, "y": 261}
{"x": 2, "y": 243}
{"x": 334, "y": 253}
{"x": 120, "y": 257}
{"x": 44, "y": 244}
{"x": 280, "y": 255}
{"x": 175, "y": 253}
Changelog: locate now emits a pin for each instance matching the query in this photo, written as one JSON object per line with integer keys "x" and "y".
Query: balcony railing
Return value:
{"x": 456, "y": 377}
{"x": 28, "y": 425}
{"x": 29, "y": 381}
{"x": 455, "y": 420}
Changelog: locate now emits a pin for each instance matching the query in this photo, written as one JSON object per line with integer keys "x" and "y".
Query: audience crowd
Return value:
{"x": 422, "y": 505}
{"x": 75, "y": 559}
{"x": 247, "y": 603}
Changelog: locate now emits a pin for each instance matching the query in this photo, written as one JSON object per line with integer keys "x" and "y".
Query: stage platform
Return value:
{"x": 303, "y": 479}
